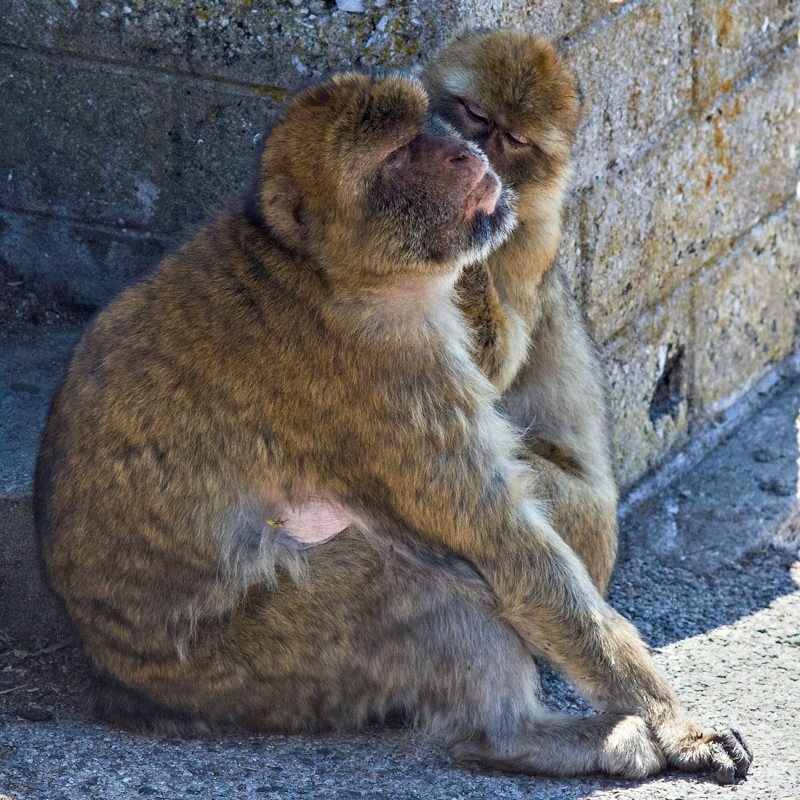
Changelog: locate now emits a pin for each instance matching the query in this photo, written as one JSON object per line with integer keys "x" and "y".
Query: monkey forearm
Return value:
{"x": 562, "y": 617}
{"x": 500, "y": 297}
{"x": 544, "y": 592}
{"x": 519, "y": 268}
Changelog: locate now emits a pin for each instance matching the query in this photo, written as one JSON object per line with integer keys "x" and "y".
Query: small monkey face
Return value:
{"x": 510, "y": 94}
{"x": 384, "y": 179}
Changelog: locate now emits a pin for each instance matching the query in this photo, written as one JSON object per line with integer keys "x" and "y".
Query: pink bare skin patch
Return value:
{"x": 313, "y": 522}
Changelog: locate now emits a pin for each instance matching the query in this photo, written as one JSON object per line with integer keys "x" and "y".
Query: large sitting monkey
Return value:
{"x": 511, "y": 94}
{"x": 298, "y": 367}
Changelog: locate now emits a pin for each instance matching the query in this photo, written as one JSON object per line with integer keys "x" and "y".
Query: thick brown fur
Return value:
{"x": 531, "y": 340}
{"x": 311, "y": 350}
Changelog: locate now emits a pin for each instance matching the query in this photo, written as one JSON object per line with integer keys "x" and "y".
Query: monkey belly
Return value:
{"x": 313, "y": 522}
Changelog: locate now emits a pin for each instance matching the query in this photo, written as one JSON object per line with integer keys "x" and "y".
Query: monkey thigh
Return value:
{"x": 370, "y": 632}
{"x": 364, "y": 633}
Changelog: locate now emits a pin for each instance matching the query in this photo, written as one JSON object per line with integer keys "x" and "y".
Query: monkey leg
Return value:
{"x": 372, "y": 632}
{"x": 367, "y": 631}
{"x": 557, "y": 400}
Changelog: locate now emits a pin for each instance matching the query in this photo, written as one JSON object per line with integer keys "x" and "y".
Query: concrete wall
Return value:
{"x": 122, "y": 122}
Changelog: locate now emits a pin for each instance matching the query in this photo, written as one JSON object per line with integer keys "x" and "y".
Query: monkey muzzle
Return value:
{"x": 485, "y": 195}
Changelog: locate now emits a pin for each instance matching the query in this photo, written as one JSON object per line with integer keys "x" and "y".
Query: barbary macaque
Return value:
{"x": 511, "y": 94}
{"x": 300, "y": 366}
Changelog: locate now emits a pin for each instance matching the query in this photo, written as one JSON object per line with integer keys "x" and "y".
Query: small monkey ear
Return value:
{"x": 282, "y": 209}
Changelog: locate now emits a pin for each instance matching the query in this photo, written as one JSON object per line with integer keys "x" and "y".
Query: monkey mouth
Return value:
{"x": 489, "y": 229}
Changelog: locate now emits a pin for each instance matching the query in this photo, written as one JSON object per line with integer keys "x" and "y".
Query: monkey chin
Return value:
{"x": 487, "y": 231}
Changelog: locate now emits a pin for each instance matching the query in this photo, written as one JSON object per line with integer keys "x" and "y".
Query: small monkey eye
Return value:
{"x": 476, "y": 112}
{"x": 396, "y": 157}
{"x": 518, "y": 138}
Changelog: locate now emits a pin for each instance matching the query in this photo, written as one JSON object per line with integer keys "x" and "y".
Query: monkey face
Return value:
{"x": 385, "y": 188}
{"x": 442, "y": 196}
{"x": 510, "y": 94}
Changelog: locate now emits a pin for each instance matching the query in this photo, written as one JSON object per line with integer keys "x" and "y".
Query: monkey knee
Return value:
{"x": 588, "y": 524}
{"x": 605, "y": 556}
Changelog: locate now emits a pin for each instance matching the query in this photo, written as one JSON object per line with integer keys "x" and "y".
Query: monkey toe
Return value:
{"x": 722, "y": 764}
{"x": 738, "y": 749}
{"x": 730, "y": 756}
{"x": 726, "y": 753}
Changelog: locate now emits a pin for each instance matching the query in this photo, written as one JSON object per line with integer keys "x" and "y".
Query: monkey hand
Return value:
{"x": 690, "y": 748}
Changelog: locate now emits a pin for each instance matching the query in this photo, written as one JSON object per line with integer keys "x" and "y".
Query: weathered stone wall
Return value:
{"x": 121, "y": 122}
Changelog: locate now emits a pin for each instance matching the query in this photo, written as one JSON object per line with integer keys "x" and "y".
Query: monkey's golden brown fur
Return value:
{"x": 310, "y": 351}
{"x": 511, "y": 94}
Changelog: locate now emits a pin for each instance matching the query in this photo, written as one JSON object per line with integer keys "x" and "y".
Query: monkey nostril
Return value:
{"x": 457, "y": 153}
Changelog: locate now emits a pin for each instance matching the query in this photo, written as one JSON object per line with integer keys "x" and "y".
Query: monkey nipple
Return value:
{"x": 312, "y": 522}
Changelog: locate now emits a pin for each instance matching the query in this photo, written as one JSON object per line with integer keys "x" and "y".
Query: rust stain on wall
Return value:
{"x": 725, "y": 26}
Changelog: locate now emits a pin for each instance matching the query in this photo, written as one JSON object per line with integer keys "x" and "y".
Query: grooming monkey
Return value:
{"x": 300, "y": 367}
{"x": 511, "y": 94}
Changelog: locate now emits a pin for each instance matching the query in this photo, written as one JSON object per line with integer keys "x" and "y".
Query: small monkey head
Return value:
{"x": 511, "y": 94}
{"x": 358, "y": 175}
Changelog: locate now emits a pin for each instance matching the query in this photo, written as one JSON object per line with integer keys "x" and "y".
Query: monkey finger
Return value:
{"x": 736, "y": 750}
{"x": 743, "y": 742}
{"x": 722, "y": 763}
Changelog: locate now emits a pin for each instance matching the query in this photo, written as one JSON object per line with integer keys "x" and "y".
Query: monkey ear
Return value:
{"x": 282, "y": 208}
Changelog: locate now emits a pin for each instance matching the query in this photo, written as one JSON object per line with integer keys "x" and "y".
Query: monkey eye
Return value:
{"x": 476, "y": 112}
{"x": 518, "y": 138}
{"x": 397, "y": 157}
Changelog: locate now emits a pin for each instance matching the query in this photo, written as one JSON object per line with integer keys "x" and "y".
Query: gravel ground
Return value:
{"x": 720, "y": 604}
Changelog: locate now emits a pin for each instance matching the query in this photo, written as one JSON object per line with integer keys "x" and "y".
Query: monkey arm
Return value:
{"x": 501, "y": 297}
{"x": 543, "y": 590}
{"x": 473, "y": 503}
{"x": 437, "y": 469}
